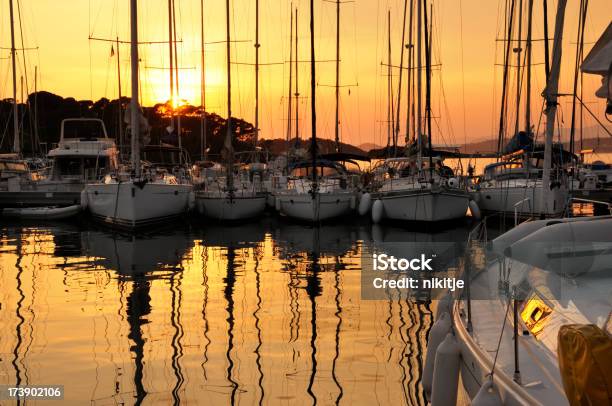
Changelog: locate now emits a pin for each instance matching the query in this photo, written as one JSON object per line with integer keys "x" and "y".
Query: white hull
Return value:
{"x": 323, "y": 206}
{"x": 424, "y": 205}
{"x": 221, "y": 207}
{"x": 42, "y": 213}
{"x": 129, "y": 205}
{"x": 526, "y": 200}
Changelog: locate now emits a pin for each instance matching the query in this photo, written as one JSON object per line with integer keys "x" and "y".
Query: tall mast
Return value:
{"x": 529, "y": 52}
{"x": 203, "y": 153}
{"x": 419, "y": 84}
{"x": 134, "y": 103}
{"x": 297, "y": 90}
{"x": 120, "y": 129}
{"x": 257, "y": 46}
{"x": 389, "y": 84}
{"x": 401, "y": 74}
{"x": 171, "y": 51}
{"x": 36, "y": 107}
{"x": 337, "y": 123}
{"x": 410, "y": 84}
{"x": 313, "y": 113}
{"x": 176, "y": 78}
{"x": 290, "y": 98}
{"x": 502, "y": 110}
{"x": 16, "y": 139}
{"x": 428, "y": 82}
{"x": 546, "y": 52}
{"x": 550, "y": 94}
{"x": 518, "y": 66}
{"x": 228, "y": 137}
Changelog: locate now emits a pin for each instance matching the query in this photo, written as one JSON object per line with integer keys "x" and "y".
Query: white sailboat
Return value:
{"x": 225, "y": 197}
{"x": 316, "y": 190}
{"x": 419, "y": 188}
{"x": 141, "y": 198}
{"x": 530, "y": 179}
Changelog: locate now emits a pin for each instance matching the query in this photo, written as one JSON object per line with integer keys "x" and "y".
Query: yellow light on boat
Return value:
{"x": 535, "y": 314}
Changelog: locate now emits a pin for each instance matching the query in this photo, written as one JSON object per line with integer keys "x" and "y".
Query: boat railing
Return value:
{"x": 516, "y": 206}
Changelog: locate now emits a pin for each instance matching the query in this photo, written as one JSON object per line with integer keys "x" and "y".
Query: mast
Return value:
{"x": 16, "y": 139}
{"x": 257, "y": 46}
{"x": 502, "y": 110}
{"x": 290, "y": 98}
{"x": 134, "y": 104}
{"x": 401, "y": 74}
{"x": 313, "y": 138}
{"x": 518, "y": 66}
{"x": 297, "y": 90}
{"x": 550, "y": 94}
{"x": 176, "y": 77}
{"x": 389, "y": 84}
{"x": 170, "y": 40}
{"x": 120, "y": 129}
{"x": 36, "y": 107}
{"x": 529, "y": 52}
{"x": 337, "y": 123}
{"x": 410, "y": 89}
{"x": 428, "y": 84}
{"x": 419, "y": 84}
{"x": 203, "y": 153}
{"x": 546, "y": 52}
{"x": 228, "y": 137}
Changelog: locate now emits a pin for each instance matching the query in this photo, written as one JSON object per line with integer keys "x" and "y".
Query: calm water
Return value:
{"x": 264, "y": 313}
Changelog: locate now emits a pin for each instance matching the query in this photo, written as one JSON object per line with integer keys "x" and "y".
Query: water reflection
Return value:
{"x": 266, "y": 312}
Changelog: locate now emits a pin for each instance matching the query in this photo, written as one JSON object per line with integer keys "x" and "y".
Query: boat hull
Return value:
{"x": 128, "y": 205}
{"x": 424, "y": 205}
{"x": 321, "y": 207}
{"x": 525, "y": 200}
{"x": 226, "y": 209}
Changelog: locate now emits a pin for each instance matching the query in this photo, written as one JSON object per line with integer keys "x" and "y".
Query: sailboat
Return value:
{"x": 139, "y": 198}
{"x": 529, "y": 178}
{"x": 419, "y": 187}
{"x": 317, "y": 189}
{"x": 233, "y": 199}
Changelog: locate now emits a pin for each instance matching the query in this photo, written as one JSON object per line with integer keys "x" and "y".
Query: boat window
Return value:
{"x": 83, "y": 129}
{"x": 70, "y": 166}
{"x": 321, "y": 171}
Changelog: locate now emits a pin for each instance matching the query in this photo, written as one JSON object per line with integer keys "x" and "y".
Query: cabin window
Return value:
{"x": 83, "y": 129}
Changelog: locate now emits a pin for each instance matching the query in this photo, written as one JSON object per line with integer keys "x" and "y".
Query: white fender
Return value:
{"x": 475, "y": 210}
{"x": 365, "y": 204}
{"x": 439, "y": 330}
{"x": 377, "y": 211}
{"x": 191, "y": 201}
{"x": 444, "y": 305}
{"x": 446, "y": 372}
{"x": 487, "y": 395}
{"x": 84, "y": 200}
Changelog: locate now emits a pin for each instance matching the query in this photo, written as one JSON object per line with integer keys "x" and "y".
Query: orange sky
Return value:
{"x": 71, "y": 65}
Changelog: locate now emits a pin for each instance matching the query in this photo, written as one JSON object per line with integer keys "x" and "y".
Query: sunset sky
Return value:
{"x": 71, "y": 65}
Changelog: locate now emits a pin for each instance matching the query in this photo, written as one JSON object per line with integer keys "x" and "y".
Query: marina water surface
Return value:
{"x": 262, "y": 313}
